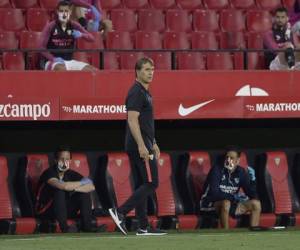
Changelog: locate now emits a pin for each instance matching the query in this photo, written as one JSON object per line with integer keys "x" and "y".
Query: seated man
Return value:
{"x": 63, "y": 192}
{"x": 221, "y": 191}
{"x": 61, "y": 34}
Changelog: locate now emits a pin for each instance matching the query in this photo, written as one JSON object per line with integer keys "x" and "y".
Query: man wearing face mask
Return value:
{"x": 221, "y": 191}
{"x": 61, "y": 34}
{"x": 62, "y": 192}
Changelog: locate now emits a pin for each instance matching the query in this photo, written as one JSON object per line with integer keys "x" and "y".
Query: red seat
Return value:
{"x": 189, "y": 4}
{"x": 31, "y": 40}
{"x": 111, "y": 4}
{"x": 205, "y": 20}
{"x": 216, "y": 4}
{"x": 36, "y": 19}
{"x": 5, "y": 4}
{"x": 49, "y": 4}
{"x": 219, "y": 61}
{"x": 190, "y": 61}
{"x": 255, "y": 61}
{"x": 136, "y": 4}
{"x": 268, "y": 4}
{"x": 111, "y": 61}
{"x": 123, "y": 20}
{"x": 255, "y": 40}
{"x": 25, "y": 4}
{"x": 12, "y": 19}
{"x": 163, "y": 4}
{"x": 178, "y": 20}
{"x": 204, "y": 40}
{"x": 289, "y": 4}
{"x": 129, "y": 59}
{"x": 13, "y": 61}
{"x": 243, "y": 4}
{"x": 80, "y": 164}
{"x": 176, "y": 40}
{"x": 162, "y": 60}
{"x": 93, "y": 57}
{"x": 8, "y": 40}
{"x": 151, "y": 20}
{"x": 148, "y": 40}
{"x": 232, "y": 20}
{"x": 259, "y": 20}
{"x": 232, "y": 40}
{"x": 119, "y": 40}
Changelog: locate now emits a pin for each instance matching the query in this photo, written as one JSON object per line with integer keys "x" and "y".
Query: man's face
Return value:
{"x": 64, "y": 13}
{"x": 231, "y": 160}
{"x": 281, "y": 19}
{"x": 63, "y": 161}
{"x": 145, "y": 75}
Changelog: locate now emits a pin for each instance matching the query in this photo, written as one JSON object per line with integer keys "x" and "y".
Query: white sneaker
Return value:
{"x": 118, "y": 219}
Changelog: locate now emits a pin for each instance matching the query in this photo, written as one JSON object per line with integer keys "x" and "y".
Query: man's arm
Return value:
{"x": 85, "y": 188}
{"x": 84, "y": 33}
{"x": 66, "y": 186}
{"x": 248, "y": 186}
{"x": 269, "y": 41}
{"x": 44, "y": 40}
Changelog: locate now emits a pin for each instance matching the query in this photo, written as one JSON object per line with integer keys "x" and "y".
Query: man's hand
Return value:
{"x": 58, "y": 60}
{"x": 85, "y": 181}
{"x": 251, "y": 173}
{"x": 76, "y": 34}
{"x": 156, "y": 151}
{"x": 240, "y": 197}
{"x": 144, "y": 153}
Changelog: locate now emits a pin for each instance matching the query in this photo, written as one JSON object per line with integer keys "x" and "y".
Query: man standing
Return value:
{"x": 142, "y": 149}
{"x": 61, "y": 34}
{"x": 63, "y": 192}
{"x": 221, "y": 191}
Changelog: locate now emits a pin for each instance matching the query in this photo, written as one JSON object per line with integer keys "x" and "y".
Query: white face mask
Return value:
{"x": 63, "y": 16}
{"x": 63, "y": 165}
{"x": 229, "y": 165}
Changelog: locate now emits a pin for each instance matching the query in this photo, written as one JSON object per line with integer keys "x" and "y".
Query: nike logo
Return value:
{"x": 186, "y": 111}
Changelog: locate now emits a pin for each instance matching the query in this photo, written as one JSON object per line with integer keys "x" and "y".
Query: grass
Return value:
{"x": 200, "y": 239}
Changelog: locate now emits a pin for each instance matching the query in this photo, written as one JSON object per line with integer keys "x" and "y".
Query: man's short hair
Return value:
{"x": 63, "y": 3}
{"x": 234, "y": 149}
{"x": 281, "y": 9}
{"x": 62, "y": 149}
{"x": 139, "y": 64}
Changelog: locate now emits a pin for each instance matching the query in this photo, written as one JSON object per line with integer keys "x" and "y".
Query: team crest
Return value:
{"x": 55, "y": 32}
{"x": 77, "y": 163}
{"x": 69, "y": 32}
{"x": 119, "y": 162}
{"x": 200, "y": 160}
{"x": 278, "y": 37}
{"x": 277, "y": 161}
{"x": 236, "y": 180}
{"x": 161, "y": 162}
{"x": 223, "y": 177}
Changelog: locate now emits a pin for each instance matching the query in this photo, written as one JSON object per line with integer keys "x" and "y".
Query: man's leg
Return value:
{"x": 223, "y": 208}
{"x": 252, "y": 206}
{"x": 60, "y": 209}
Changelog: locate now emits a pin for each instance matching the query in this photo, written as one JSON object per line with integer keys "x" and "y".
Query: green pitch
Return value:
{"x": 200, "y": 239}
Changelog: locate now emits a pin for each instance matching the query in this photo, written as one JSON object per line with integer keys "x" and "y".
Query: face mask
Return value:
{"x": 63, "y": 166}
{"x": 228, "y": 165}
{"x": 63, "y": 16}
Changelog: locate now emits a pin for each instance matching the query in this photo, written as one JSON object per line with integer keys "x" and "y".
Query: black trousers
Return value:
{"x": 66, "y": 206}
{"x": 146, "y": 185}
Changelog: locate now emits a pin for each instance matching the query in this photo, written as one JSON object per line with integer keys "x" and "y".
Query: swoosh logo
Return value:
{"x": 186, "y": 111}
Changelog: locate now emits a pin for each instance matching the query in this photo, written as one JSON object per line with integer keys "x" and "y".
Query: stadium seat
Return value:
{"x": 232, "y": 20}
{"x": 49, "y": 4}
{"x": 204, "y": 40}
{"x": 259, "y": 20}
{"x": 12, "y": 20}
{"x": 110, "y": 61}
{"x": 189, "y": 4}
{"x": 190, "y": 61}
{"x": 36, "y": 19}
{"x": 129, "y": 59}
{"x": 276, "y": 190}
{"x": 216, "y": 4}
{"x": 5, "y": 4}
{"x": 119, "y": 40}
{"x": 11, "y": 223}
{"x": 148, "y": 40}
{"x": 255, "y": 40}
{"x": 8, "y": 40}
{"x": 169, "y": 205}
{"x": 136, "y": 4}
{"x": 25, "y": 4}
{"x": 232, "y": 40}
{"x": 255, "y": 61}
{"x": 13, "y": 61}
{"x": 31, "y": 40}
{"x": 151, "y": 20}
{"x": 268, "y": 4}
{"x": 289, "y": 4}
{"x": 111, "y": 4}
{"x": 162, "y": 60}
{"x": 176, "y": 40}
{"x": 243, "y": 4}
{"x": 219, "y": 61}
{"x": 123, "y": 20}
{"x": 178, "y": 20}
{"x": 205, "y": 20}
{"x": 93, "y": 57}
{"x": 163, "y": 4}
